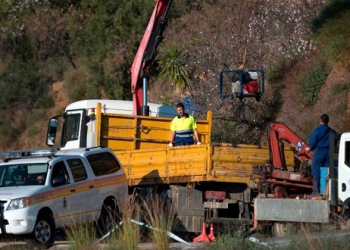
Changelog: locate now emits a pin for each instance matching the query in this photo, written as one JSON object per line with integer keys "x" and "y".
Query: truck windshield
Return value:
{"x": 70, "y": 130}
{"x": 23, "y": 174}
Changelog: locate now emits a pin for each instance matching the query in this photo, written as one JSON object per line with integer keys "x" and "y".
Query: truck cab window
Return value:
{"x": 71, "y": 127}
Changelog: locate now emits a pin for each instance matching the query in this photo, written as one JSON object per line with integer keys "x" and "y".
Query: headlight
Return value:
{"x": 18, "y": 203}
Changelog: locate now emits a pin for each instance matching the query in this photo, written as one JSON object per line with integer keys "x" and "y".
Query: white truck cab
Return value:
{"x": 344, "y": 168}
{"x": 42, "y": 190}
{"x": 78, "y": 115}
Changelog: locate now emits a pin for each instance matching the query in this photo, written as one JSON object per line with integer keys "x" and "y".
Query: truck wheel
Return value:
{"x": 44, "y": 232}
{"x": 282, "y": 229}
{"x": 108, "y": 219}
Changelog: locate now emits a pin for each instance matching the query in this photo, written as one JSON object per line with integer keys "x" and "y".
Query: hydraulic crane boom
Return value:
{"x": 279, "y": 133}
{"x": 278, "y": 175}
{"x": 147, "y": 51}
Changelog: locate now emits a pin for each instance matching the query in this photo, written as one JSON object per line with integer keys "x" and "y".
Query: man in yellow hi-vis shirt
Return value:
{"x": 182, "y": 128}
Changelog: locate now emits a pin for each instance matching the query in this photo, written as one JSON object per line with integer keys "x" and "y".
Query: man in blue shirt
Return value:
{"x": 319, "y": 144}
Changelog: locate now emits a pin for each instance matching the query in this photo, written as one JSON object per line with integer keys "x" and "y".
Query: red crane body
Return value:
{"x": 141, "y": 66}
{"x": 280, "y": 133}
{"x": 276, "y": 174}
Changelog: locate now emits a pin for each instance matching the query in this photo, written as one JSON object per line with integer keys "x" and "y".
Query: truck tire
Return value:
{"x": 282, "y": 229}
{"x": 44, "y": 232}
{"x": 108, "y": 219}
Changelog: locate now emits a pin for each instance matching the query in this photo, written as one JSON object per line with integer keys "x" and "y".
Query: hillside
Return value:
{"x": 305, "y": 75}
{"x": 35, "y": 136}
{"x": 331, "y": 100}
{"x": 300, "y": 120}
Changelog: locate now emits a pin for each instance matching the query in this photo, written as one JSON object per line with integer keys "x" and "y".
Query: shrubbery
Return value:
{"x": 310, "y": 84}
{"x": 332, "y": 11}
{"x": 24, "y": 83}
{"x": 333, "y": 39}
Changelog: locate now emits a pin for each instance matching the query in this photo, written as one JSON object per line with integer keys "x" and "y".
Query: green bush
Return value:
{"x": 45, "y": 102}
{"x": 104, "y": 31}
{"x": 233, "y": 241}
{"x": 339, "y": 88}
{"x": 333, "y": 40}
{"x": 331, "y": 11}
{"x": 75, "y": 84}
{"x": 23, "y": 83}
{"x": 32, "y": 131}
{"x": 8, "y": 135}
{"x": 56, "y": 67}
{"x": 279, "y": 70}
{"x": 310, "y": 84}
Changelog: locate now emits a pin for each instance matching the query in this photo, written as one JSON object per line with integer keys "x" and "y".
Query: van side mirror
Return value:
{"x": 58, "y": 181}
{"x": 51, "y": 132}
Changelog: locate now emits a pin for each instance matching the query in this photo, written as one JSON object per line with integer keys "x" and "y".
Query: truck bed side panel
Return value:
{"x": 141, "y": 144}
{"x": 219, "y": 163}
{"x": 126, "y": 132}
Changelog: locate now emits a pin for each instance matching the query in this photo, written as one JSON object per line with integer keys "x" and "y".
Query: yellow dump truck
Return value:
{"x": 218, "y": 178}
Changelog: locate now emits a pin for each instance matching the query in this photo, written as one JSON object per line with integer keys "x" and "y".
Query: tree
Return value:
{"x": 172, "y": 67}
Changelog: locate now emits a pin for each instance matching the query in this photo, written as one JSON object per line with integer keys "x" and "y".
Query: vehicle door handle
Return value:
{"x": 91, "y": 186}
{"x": 72, "y": 190}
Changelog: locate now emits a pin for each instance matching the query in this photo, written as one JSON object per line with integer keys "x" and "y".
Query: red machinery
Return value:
{"x": 240, "y": 84}
{"x": 147, "y": 51}
{"x": 286, "y": 182}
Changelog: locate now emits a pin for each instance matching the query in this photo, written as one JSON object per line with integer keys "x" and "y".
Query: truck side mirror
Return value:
{"x": 51, "y": 132}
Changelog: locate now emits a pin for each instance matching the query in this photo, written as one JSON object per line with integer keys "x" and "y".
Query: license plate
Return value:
{"x": 215, "y": 205}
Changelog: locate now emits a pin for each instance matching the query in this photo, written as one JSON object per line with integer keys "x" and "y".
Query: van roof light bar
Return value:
{"x": 18, "y": 154}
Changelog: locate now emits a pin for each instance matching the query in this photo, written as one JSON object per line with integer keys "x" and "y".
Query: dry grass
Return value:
{"x": 160, "y": 214}
{"x": 128, "y": 235}
{"x": 81, "y": 236}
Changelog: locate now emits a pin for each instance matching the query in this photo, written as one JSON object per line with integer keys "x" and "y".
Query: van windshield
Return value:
{"x": 23, "y": 174}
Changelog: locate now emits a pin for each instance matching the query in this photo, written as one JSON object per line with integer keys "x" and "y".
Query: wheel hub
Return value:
{"x": 42, "y": 232}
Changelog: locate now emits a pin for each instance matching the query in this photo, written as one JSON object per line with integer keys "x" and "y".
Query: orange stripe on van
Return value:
{"x": 79, "y": 187}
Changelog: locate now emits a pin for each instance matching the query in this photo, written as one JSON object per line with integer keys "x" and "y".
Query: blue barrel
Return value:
{"x": 324, "y": 178}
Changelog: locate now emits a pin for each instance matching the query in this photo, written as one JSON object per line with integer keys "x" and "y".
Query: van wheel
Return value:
{"x": 108, "y": 219}
{"x": 44, "y": 232}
